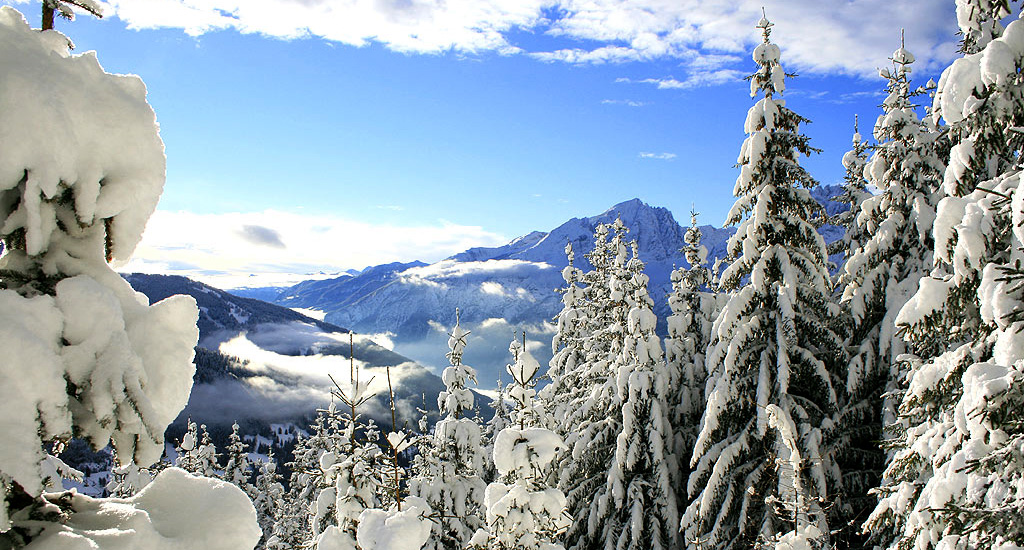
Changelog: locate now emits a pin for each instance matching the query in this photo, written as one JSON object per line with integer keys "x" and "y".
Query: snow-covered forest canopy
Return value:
{"x": 793, "y": 403}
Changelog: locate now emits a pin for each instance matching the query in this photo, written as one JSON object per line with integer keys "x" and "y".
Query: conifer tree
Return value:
{"x": 956, "y": 468}
{"x": 498, "y": 421}
{"x": 879, "y": 277}
{"x": 522, "y": 511}
{"x": 126, "y": 480}
{"x": 561, "y": 396}
{"x": 594, "y": 415}
{"x": 689, "y": 331}
{"x": 564, "y": 395}
{"x": 196, "y": 452}
{"x": 854, "y": 194}
{"x": 639, "y": 491}
{"x": 773, "y": 357}
{"x": 448, "y": 478}
{"x": 267, "y": 496}
{"x": 238, "y": 469}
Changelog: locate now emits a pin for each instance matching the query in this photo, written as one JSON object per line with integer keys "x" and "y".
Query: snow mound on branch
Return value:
{"x": 525, "y": 451}
{"x": 408, "y": 529}
{"x": 177, "y": 511}
{"x": 81, "y": 171}
{"x": 71, "y": 131}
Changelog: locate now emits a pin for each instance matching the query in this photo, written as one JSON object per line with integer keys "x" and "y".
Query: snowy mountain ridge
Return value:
{"x": 500, "y": 289}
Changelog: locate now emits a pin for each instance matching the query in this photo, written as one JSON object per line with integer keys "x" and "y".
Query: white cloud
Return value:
{"x": 215, "y": 248}
{"x": 852, "y": 36}
{"x": 658, "y": 156}
{"x": 626, "y": 102}
{"x": 696, "y": 78}
{"x": 493, "y": 288}
{"x": 450, "y": 269}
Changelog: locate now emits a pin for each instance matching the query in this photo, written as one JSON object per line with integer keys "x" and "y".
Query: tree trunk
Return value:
{"x": 47, "y": 15}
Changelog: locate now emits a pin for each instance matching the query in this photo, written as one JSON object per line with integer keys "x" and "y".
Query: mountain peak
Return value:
{"x": 628, "y": 207}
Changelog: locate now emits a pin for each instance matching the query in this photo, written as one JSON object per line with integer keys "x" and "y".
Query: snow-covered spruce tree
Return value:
{"x": 593, "y": 417}
{"x": 562, "y": 394}
{"x": 499, "y": 421}
{"x": 523, "y": 512}
{"x": 84, "y": 355}
{"x": 854, "y": 193}
{"x": 638, "y": 494}
{"x": 880, "y": 276}
{"x": 689, "y": 332}
{"x": 301, "y": 517}
{"x": 127, "y": 480}
{"x": 267, "y": 495}
{"x": 352, "y": 472}
{"x": 448, "y": 479}
{"x": 954, "y": 478}
{"x": 980, "y": 22}
{"x": 360, "y": 494}
{"x": 238, "y": 469}
{"x": 196, "y": 452}
{"x": 772, "y": 346}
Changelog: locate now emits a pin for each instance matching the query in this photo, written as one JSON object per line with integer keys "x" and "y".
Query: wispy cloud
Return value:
{"x": 626, "y": 102}
{"x": 392, "y": 207}
{"x": 693, "y": 80}
{"x": 818, "y": 37}
{"x": 838, "y": 99}
{"x": 658, "y": 156}
{"x": 231, "y": 250}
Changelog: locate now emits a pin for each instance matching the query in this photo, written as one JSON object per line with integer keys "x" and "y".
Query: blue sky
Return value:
{"x": 335, "y": 134}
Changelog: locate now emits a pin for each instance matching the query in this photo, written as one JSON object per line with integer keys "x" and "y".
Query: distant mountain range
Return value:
{"x": 499, "y": 290}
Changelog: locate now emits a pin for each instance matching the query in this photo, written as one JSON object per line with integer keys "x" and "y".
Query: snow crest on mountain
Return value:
{"x": 501, "y": 289}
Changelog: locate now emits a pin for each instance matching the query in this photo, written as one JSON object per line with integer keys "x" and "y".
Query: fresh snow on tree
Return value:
{"x": 196, "y": 453}
{"x": 591, "y": 417}
{"x": 267, "y": 496}
{"x": 772, "y": 345}
{"x": 855, "y": 191}
{"x": 562, "y": 395}
{"x": 894, "y": 252}
{"x": 405, "y": 527}
{"x": 694, "y": 309}
{"x": 639, "y": 489}
{"x": 522, "y": 511}
{"x": 238, "y": 469}
{"x": 127, "y": 480}
{"x": 448, "y": 476}
{"x": 82, "y": 170}
{"x": 955, "y": 476}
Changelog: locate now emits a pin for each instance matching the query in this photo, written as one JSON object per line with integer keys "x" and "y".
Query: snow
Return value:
{"x": 808, "y": 537}
{"x": 997, "y": 63}
{"x": 177, "y": 511}
{"x": 957, "y": 85}
{"x": 115, "y": 170}
{"x": 106, "y": 365}
{"x": 407, "y": 529}
{"x": 524, "y": 452}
